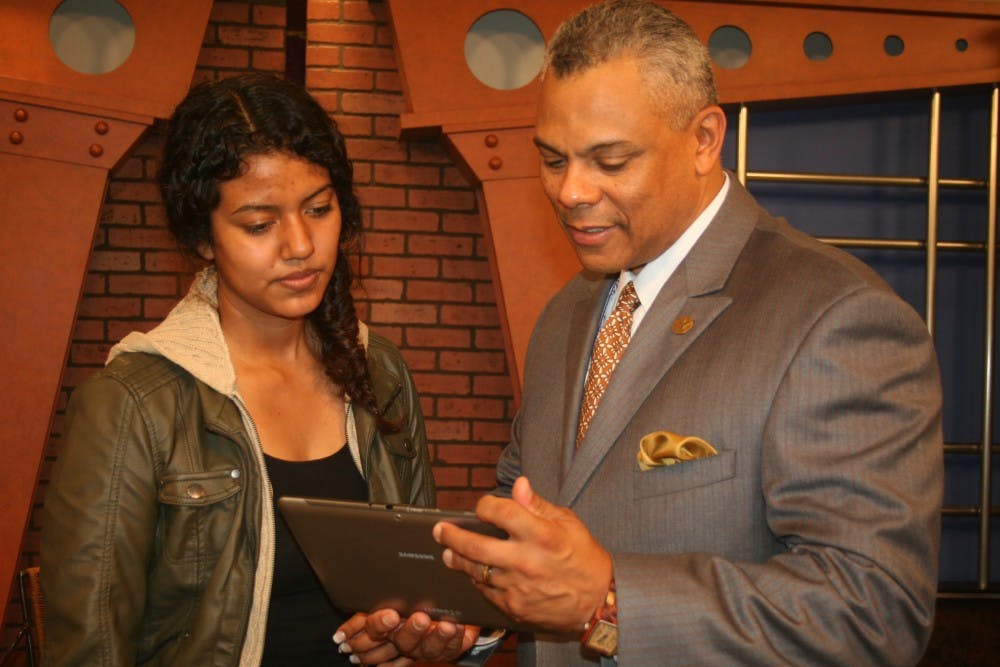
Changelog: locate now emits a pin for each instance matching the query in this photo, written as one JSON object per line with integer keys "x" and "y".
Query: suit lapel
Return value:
{"x": 690, "y": 292}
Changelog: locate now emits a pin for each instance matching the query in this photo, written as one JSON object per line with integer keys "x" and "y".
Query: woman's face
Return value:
{"x": 275, "y": 235}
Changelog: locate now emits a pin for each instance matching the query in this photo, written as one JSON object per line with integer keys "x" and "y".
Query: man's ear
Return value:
{"x": 205, "y": 251}
{"x": 709, "y": 127}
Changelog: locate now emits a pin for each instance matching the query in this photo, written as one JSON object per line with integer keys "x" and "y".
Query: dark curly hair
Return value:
{"x": 209, "y": 136}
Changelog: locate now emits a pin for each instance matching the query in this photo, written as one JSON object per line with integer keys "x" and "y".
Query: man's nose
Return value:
{"x": 576, "y": 188}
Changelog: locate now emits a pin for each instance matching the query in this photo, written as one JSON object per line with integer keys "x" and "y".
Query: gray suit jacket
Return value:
{"x": 812, "y": 537}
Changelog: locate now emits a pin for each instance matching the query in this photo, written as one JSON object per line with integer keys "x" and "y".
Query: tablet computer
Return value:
{"x": 370, "y": 556}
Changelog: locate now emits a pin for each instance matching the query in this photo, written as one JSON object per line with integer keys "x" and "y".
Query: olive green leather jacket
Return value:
{"x": 158, "y": 535}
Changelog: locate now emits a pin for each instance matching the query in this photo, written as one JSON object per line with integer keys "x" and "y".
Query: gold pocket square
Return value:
{"x": 663, "y": 448}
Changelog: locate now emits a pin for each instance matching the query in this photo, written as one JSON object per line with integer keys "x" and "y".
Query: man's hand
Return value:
{"x": 383, "y": 638}
{"x": 551, "y": 572}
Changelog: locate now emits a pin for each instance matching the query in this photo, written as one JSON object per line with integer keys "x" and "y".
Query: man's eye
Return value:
{"x": 258, "y": 228}
{"x": 611, "y": 167}
{"x": 553, "y": 163}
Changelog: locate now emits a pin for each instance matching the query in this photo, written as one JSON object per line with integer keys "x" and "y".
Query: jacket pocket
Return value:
{"x": 685, "y": 475}
{"x": 197, "y": 512}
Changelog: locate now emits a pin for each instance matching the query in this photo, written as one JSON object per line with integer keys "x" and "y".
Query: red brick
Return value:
{"x": 369, "y": 57}
{"x": 166, "y": 262}
{"x": 456, "y": 200}
{"x": 141, "y": 237}
{"x": 110, "y": 307}
{"x": 420, "y": 360}
{"x": 374, "y": 196}
{"x": 446, "y": 430}
{"x": 266, "y": 15}
{"x": 372, "y": 103}
{"x": 393, "y": 334}
{"x": 440, "y": 383}
{"x": 437, "y": 291}
{"x": 437, "y": 337}
{"x": 92, "y": 354}
{"x": 455, "y": 178}
{"x": 128, "y": 168}
{"x": 408, "y": 221}
{"x": 379, "y": 288}
{"x": 118, "y": 330}
{"x": 157, "y": 309}
{"x": 376, "y": 149}
{"x": 429, "y": 152}
{"x": 492, "y": 385}
{"x": 109, "y": 260}
{"x": 268, "y": 61}
{"x": 483, "y": 477}
{"x": 387, "y": 126}
{"x": 142, "y": 284}
{"x": 439, "y": 245}
{"x": 120, "y": 214}
{"x": 88, "y": 330}
{"x": 451, "y": 476}
{"x": 95, "y": 284}
{"x": 403, "y": 312}
{"x": 489, "y": 339}
{"x": 404, "y": 267}
{"x": 403, "y": 174}
{"x": 383, "y": 243}
{"x": 384, "y": 35}
{"x": 363, "y": 10}
{"x": 389, "y": 82}
{"x": 462, "y": 223}
{"x": 485, "y": 293}
{"x": 340, "y": 33}
{"x": 229, "y": 12}
{"x": 474, "y": 408}
{"x": 469, "y": 454}
{"x": 133, "y": 191}
{"x": 322, "y": 55}
{"x": 155, "y": 215}
{"x": 472, "y": 362}
{"x": 354, "y": 126}
{"x": 273, "y": 38}
{"x": 339, "y": 79}
{"x": 224, "y": 58}
{"x": 469, "y": 269}
{"x": 470, "y": 315}
{"x": 483, "y": 431}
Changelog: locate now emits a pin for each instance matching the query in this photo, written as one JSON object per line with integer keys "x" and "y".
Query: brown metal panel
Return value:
{"x": 60, "y": 133}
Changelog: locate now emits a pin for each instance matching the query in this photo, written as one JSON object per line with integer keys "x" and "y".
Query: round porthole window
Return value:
{"x": 817, "y": 46}
{"x": 730, "y": 47}
{"x": 504, "y": 49}
{"x": 91, "y": 36}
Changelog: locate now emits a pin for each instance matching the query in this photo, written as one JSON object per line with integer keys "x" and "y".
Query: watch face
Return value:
{"x": 603, "y": 638}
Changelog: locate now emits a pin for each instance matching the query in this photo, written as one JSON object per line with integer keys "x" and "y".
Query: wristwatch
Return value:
{"x": 601, "y": 631}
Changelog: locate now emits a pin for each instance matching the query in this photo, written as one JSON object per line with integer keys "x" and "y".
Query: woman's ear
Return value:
{"x": 709, "y": 127}
{"x": 205, "y": 251}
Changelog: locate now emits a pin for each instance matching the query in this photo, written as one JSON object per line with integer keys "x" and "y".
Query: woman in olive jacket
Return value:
{"x": 161, "y": 544}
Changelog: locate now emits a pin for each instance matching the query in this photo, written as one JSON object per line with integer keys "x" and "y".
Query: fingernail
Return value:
{"x": 389, "y": 625}
{"x": 355, "y": 660}
{"x": 344, "y": 648}
{"x": 419, "y": 625}
{"x": 436, "y": 532}
{"x": 339, "y": 636}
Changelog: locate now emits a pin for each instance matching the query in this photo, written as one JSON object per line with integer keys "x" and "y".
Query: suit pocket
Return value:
{"x": 196, "y": 513}
{"x": 684, "y": 476}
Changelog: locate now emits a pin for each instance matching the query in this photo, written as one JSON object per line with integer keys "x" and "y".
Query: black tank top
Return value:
{"x": 300, "y": 619}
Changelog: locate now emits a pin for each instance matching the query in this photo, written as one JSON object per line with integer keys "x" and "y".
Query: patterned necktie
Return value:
{"x": 608, "y": 349}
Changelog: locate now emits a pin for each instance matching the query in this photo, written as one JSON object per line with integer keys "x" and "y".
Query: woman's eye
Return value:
{"x": 258, "y": 228}
{"x": 319, "y": 211}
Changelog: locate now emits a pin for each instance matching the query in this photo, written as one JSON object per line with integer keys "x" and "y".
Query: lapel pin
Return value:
{"x": 682, "y": 325}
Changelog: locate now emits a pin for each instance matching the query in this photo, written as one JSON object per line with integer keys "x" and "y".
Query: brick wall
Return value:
{"x": 425, "y": 278}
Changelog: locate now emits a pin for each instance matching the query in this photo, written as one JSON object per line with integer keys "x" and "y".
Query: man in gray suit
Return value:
{"x": 804, "y": 527}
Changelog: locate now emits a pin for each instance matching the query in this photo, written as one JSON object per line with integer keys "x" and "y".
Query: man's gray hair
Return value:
{"x": 674, "y": 64}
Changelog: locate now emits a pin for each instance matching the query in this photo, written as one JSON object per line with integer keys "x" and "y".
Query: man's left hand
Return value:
{"x": 551, "y": 572}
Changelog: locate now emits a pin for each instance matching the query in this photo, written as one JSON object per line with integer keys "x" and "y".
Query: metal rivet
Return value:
{"x": 235, "y": 473}
{"x": 495, "y": 163}
{"x": 20, "y": 115}
{"x": 101, "y": 127}
{"x": 491, "y": 140}
{"x": 96, "y": 150}
{"x": 682, "y": 325}
{"x": 195, "y": 491}
{"x": 16, "y": 137}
